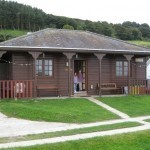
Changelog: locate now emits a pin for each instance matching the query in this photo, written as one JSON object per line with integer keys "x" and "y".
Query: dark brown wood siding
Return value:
{"x": 108, "y": 74}
{"x": 60, "y": 71}
{"x": 139, "y": 69}
{"x": 63, "y": 75}
{"x": 92, "y": 74}
{"x": 22, "y": 69}
{"x": 59, "y": 78}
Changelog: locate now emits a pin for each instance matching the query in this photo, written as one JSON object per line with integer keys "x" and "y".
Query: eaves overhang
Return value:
{"x": 82, "y": 50}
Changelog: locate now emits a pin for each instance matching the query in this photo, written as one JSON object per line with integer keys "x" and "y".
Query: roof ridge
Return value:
{"x": 67, "y": 30}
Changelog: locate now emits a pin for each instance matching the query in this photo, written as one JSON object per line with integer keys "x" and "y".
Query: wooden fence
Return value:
{"x": 139, "y": 87}
{"x": 16, "y": 89}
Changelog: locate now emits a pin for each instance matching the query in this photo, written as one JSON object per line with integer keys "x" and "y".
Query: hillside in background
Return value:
{"x": 17, "y": 19}
{"x": 141, "y": 43}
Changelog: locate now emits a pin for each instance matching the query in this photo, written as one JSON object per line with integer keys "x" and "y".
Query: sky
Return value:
{"x": 112, "y": 11}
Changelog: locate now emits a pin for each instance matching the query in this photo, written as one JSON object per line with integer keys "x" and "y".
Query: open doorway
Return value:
{"x": 80, "y": 67}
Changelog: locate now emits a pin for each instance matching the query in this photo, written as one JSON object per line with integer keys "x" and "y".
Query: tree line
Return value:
{"x": 23, "y": 17}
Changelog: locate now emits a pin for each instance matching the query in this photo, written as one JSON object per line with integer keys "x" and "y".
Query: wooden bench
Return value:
{"x": 108, "y": 86}
{"x": 50, "y": 88}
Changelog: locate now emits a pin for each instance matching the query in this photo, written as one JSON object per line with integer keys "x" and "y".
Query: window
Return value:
{"x": 44, "y": 67}
{"x": 121, "y": 68}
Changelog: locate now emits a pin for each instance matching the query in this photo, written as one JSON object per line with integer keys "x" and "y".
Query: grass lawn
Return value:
{"x": 70, "y": 132}
{"x": 70, "y": 110}
{"x": 131, "y": 141}
{"x": 12, "y": 33}
{"x": 131, "y": 105}
{"x": 141, "y": 43}
{"x": 148, "y": 120}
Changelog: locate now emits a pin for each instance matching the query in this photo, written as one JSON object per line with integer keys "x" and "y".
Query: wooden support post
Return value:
{"x": 35, "y": 55}
{"x": 69, "y": 57}
{"x": 100, "y": 57}
{"x": 129, "y": 57}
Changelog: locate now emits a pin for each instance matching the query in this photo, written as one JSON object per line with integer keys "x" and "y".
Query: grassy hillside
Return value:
{"x": 9, "y": 34}
{"x": 141, "y": 43}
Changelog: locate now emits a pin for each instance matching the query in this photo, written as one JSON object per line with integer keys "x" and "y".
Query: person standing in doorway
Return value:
{"x": 75, "y": 82}
{"x": 80, "y": 80}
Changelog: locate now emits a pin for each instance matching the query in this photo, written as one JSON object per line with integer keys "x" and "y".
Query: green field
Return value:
{"x": 70, "y": 110}
{"x": 132, "y": 105}
{"x": 131, "y": 141}
{"x": 148, "y": 120}
{"x": 9, "y": 34}
{"x": 141, "y": 43}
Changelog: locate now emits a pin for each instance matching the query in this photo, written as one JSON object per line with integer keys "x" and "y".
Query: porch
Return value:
{"x": 45, "y": 74}
{"x": 10, "y": 89}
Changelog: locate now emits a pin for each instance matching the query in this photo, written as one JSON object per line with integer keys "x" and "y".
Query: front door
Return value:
{"x": 80, "y": 65}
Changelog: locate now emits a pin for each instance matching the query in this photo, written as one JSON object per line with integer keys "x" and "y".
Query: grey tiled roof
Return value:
{"x": 70, "y": 39}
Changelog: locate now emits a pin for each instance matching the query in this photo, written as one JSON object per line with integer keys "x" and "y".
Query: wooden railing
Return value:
{"x": 16, "y": 89}
{"x": 139, "y": 86}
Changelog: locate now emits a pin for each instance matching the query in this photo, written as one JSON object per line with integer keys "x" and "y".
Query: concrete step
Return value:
{"x": 80, "y": 94}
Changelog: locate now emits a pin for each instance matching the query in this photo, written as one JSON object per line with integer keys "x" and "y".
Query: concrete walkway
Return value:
{"x": 74, "y": 137}
{"x": 10, "y": 127}
{"x": 113, "y": 110}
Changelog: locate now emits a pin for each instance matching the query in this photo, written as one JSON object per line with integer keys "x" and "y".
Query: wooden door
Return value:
{"x": 81, "y": 65}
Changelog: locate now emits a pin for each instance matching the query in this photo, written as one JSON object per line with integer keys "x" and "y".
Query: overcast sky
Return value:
{"x": 112, "y": 11}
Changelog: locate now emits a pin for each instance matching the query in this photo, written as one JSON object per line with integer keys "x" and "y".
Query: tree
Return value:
{"x": 122, "y": 32}
{"x": 107, "y": 29}
{"x": 145, "y": 32}
{"x": 136, "y": 34}
{"x": 66, "y": 26}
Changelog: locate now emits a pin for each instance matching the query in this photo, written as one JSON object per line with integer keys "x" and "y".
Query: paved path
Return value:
{"x": 113, "y": 110}
{"x": 10, "y": 127}
{"x": 74, "y": 137}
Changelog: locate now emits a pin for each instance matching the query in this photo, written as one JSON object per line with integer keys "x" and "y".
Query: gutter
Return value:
{"x": 60, "y": 49}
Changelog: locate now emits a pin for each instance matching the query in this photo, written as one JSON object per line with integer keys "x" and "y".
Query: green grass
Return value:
{"x": 70, "y": 110}
{"x": 70, "y": 132}
{"x": 13, "y": 33}
{"x": 141, "y": 43}
{"x": 147, "y": 120}
{"x": 130, "y": 141}
{"x": 132, "y": 105}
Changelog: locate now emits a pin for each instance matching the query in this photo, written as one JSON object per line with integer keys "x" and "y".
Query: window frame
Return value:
{"x": 43, "y": 67}
{"x": 121, "y": 68}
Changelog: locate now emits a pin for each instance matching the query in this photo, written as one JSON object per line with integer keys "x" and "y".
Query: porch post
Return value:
{"x": 35, "y": 55}
{"x": 69, "y": 57}
{"x": 129, "y": 57}
{"x": 100, "y": 57}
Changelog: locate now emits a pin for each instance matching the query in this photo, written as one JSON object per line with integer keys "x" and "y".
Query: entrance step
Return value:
{"x": 80, "y": 94}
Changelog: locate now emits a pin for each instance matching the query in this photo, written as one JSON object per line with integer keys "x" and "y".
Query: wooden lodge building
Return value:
{"x": 43, "y": 63}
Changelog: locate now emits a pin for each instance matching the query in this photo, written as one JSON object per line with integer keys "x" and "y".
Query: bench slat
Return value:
{"x": 47, "y": 87}
{"x": 108, "y": 86}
